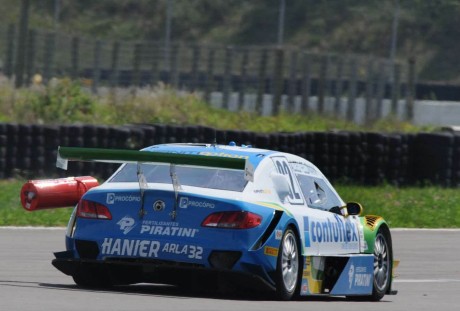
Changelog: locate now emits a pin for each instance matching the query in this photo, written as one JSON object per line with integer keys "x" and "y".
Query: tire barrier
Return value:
{"x": 433, "y": 158}
{"x": 359, "y": 157}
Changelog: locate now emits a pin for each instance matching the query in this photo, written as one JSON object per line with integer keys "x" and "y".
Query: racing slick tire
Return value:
{"x": 383, "y": 255}
{"x": 288, "y": 266}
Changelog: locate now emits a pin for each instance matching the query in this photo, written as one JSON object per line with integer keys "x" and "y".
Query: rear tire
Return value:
{"x": 288, "y": 266}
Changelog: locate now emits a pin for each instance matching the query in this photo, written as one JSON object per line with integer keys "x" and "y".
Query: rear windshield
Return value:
{"x": 212, "y": 178}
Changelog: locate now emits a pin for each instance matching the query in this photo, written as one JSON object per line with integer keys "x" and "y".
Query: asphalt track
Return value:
{"x": 428, "y": 279}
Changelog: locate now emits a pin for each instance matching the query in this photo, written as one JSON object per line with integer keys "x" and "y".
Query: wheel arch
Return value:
{"x": 294, "y": 226}
{"x": 372, "y": 225}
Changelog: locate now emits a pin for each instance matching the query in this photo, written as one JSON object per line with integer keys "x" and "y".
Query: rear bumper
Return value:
{"x": 131, "y": 271}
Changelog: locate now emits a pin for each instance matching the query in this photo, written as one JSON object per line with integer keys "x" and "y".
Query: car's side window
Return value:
{"x": 313, "y": 192}
{"x": 316, "y": 191}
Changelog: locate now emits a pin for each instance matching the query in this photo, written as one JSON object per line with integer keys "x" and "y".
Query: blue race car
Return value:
{"x": 208, "y": 214}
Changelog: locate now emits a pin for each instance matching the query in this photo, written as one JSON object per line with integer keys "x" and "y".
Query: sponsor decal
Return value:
{"x": 179, "y": 151}
{"x": 304, "y": 288}
{"x": 262, "y": 191}
{"x": 186, "y": 202}
{"x": 351, "y": 274}
{"x": 303, "y": 169}
{"x": 159, "y": 206}
{"x": 160, "y": 223}
{"x": 125, "y": 247}
{"x": 191, "y": 251}
{"x": 356, "y": 277}
{"x": 278, "y": 234}
{"x": 183, "y": 203}
{"x": 223, "y": 154}
{"x": 112, "y": 198}
{"x": 330, "y": 231}
{"x": 148, "y": 249}
{"x": 282, "y": 166}
{"x": 160, "y": 230}
{"x": 249, "y": 172}
{"x": 306, "y": 231}
{"x": 126, "y": 224}
{"x": 362, "y": 277}
{"x": 312, "y": 275}
{"x": 271, "y": 251}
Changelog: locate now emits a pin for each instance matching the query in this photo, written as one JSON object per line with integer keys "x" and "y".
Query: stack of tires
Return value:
{"x": 52, "y": 136}
{"x": 321, "y": 154}
{"x": 433, "y": 158}
{"x": 262, "y": 141}
{"x": 309, "y": 138}
{"x": 343, "y": 154}
{"x": 456, "y": 161}
{"x": 284, "y": 144}
{"x": 12, "y": 134}
{"x": 377, "y": 158}
{"x": 365, "y": 158}
{"x": 3, "y": 149}
{"x": 398, "y": 170}
{"x": 357, "y": 157}
{"x": 299, "y": 142}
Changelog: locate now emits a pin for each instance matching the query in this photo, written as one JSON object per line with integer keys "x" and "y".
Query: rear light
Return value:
{"x": 232, "y": 220}
{"x": 93, "y": 210}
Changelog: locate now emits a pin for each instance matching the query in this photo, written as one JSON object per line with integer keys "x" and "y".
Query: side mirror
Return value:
{"x": 281, "y": 185}
{"x": 354, "y": 208}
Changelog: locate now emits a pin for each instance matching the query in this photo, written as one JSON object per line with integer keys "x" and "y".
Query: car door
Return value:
{"x": 325, "y": 232}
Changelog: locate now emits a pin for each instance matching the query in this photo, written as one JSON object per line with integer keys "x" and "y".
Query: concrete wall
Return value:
{"x": 426, "y": 112}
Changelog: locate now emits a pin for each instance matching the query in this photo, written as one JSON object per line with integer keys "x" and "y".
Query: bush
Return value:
{"x": 63, "y": 101}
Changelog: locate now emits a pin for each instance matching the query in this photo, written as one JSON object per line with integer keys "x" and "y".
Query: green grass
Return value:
{"x": 408, "y": 207}
{"x": 64, "y": 101}
{"x": 12, "y": 213}
{"x": 427, "y": 207}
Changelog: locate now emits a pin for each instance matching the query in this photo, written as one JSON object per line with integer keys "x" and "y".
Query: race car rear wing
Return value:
{"x": 66, "y": 154}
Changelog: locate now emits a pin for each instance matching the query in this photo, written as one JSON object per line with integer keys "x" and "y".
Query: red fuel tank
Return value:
{"x": 52, "y": 193}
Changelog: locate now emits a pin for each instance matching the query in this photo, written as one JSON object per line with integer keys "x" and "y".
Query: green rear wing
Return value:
{"x": 66, "y": 154}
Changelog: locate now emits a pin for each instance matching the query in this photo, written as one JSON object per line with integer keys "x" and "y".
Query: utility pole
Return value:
{"x": 394, "y": 38}
{"x": 282, "y": 10}
{"x": 57, "y": 13}
{"x": 22, "y": 42}
{"x": 169, "y": 9}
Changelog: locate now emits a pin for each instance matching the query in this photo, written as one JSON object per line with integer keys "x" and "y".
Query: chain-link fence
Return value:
{"x": 264, "y": 79}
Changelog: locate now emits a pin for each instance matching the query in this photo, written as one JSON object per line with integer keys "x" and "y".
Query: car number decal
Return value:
{"x": 283, "y": 167}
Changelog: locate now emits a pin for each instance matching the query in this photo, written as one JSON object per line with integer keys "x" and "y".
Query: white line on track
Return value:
{"x": 426, "y": 229}
{"x": 31, "y": 228}
{"x": 426, "y": 281}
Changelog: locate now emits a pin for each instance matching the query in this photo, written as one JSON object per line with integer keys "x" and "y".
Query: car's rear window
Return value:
{"x": 212, "y": 178}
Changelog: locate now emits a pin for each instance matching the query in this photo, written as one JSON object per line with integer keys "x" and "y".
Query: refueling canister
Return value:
{"x": 53, "y": 193}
